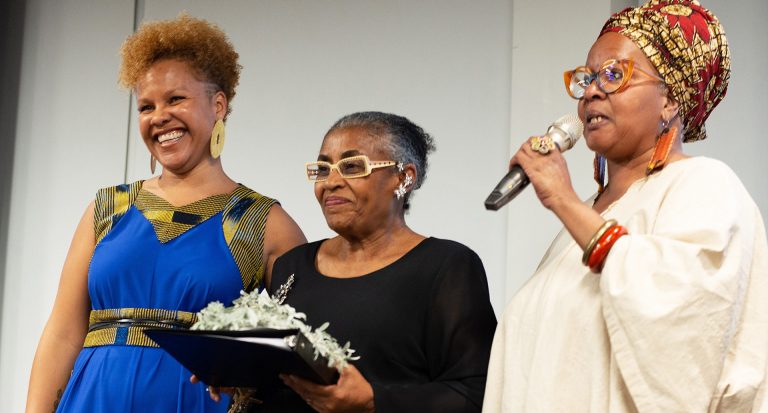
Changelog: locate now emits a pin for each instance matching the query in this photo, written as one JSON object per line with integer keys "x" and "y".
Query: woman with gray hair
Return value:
{"x": 415, "y": 308}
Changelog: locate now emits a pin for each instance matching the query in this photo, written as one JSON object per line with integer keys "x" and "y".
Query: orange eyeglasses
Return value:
{"x": 612, "y": 77}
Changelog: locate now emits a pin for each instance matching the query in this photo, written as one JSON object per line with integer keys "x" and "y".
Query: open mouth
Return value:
{"x": 170, "y": 137}
{"x": 594, "y": 119}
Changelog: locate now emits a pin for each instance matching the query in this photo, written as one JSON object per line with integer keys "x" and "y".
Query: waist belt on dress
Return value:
{"x": 125, "y": 326}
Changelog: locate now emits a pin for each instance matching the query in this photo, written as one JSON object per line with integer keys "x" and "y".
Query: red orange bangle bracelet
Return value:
{"x": 591, "y": 244}
{"x": 603, "y": 245}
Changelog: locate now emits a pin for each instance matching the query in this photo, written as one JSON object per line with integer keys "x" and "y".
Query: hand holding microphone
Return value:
{"x": 562, "y": 134}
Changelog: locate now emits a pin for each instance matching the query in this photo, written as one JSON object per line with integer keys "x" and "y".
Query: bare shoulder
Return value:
{"x": 82, "y": 245}
{"x": 279, "y": 221}
{"x": 86, "y": 228}
{"x": 72, "y": 301}
{"x": 281, "y": 235}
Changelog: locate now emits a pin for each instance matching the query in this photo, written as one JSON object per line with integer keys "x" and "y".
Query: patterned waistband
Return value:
{"x": 125, "y": 326}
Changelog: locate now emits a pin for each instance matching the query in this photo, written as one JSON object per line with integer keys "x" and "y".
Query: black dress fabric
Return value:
{"x": 422, "y": 326}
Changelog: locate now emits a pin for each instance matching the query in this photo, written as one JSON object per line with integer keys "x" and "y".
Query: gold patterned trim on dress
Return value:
{"x": 244, "y": 222}
{"x": 125, "y": 326}
{"x": 244, "y": 219}
{"x": 169, "y": 221}
{"x": 111, "y": 204}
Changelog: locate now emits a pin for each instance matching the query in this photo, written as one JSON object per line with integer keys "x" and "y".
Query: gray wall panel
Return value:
{"x": 70, "y": 140}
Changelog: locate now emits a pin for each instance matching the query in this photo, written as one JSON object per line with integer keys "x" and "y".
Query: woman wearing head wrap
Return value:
{"x": 152, "y": 253}
{"x": 654, "y": 297}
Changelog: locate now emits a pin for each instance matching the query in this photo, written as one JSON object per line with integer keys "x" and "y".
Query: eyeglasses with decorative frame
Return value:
{"x": 352, "y": 167}
{"x": 612, "y": 77}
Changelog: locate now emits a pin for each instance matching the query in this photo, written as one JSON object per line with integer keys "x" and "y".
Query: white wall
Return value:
{"x": 480, "y": 76}
{"x": 70, "y": 140}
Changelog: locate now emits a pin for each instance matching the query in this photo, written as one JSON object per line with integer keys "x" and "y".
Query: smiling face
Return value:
{"x": 623, "y": 125}
{"x": 357, "y": 207}
{"x": 176, "y": 115}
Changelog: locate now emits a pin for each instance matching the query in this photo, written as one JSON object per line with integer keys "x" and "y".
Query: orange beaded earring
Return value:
{"x": 663, "y": 145}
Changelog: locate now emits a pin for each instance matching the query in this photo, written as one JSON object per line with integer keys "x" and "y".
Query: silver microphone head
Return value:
{"x": 566, "y": 131}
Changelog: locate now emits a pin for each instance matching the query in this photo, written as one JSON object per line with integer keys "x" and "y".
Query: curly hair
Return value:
{"x": 201, "y": 44}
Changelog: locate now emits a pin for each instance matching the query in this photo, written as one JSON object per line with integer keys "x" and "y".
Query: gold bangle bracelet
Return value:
{"x": 593, "y": 241}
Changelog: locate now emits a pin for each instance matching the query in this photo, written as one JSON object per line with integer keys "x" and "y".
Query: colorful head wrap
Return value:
{"x": 687, "y": 45}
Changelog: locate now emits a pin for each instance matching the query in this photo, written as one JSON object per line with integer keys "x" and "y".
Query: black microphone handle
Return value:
{"x": 512, "y": 184}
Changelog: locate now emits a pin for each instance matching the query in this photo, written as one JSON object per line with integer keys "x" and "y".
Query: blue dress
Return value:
{"x": 156, "y": 265}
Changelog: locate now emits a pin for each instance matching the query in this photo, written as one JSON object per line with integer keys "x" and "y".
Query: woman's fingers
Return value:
{"x": 523, "y": 154}
{"x": 304, "y": 388}
{"x": 546, "y": 169}
{"x": 351, "y": 393}
{"x": 213, "y": 391}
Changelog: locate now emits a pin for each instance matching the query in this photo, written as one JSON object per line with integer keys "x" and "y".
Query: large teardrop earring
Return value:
{"x": 663, "y": 145}
{"x": 599, "y": 175}
{"x": 152, "y": 164}
{"x": 217, "y": 139}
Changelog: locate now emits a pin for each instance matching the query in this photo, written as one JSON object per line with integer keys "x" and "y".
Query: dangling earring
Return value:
{"x": 152, "y": 164}
{"x": 663, "y": 146}
{"x": 599, "y": 167}
{"x": 217, "y": 139}
{"x": 402, "y": 189}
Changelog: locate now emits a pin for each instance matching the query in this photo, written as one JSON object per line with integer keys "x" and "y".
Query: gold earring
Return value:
{"x": 152, "y": 164}
{"x": 217, "y": 139}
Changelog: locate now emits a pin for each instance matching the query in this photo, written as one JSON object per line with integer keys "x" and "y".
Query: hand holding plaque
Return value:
{"x": 251, "y": 342}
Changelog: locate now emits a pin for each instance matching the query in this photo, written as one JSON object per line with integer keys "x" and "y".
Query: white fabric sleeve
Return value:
{"x": 679, "y": 291}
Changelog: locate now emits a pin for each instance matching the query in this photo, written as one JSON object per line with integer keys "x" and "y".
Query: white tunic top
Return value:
{"x": 676, "y": 322}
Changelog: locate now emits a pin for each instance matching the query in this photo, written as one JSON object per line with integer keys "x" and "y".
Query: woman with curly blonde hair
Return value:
{"x": 152, "y": 253}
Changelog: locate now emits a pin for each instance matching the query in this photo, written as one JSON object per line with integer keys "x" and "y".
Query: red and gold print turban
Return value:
{"x": 687, "y": 45}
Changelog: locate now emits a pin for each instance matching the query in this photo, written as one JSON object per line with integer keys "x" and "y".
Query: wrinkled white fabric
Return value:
{"x": 676, "y": 322}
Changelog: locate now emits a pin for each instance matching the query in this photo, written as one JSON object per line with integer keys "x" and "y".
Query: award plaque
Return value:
{"x": 244, "y": 358}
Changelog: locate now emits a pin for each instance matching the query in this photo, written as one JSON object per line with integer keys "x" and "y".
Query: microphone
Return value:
{"x": 564, "y": 132}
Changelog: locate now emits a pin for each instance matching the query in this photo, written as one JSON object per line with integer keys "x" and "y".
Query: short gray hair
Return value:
{"x": 406, "y": 143}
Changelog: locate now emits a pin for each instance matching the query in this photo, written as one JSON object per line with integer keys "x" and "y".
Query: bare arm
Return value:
{"x": 65, "y": 330}
{"x": 281, "y": 235}
{"x": 550, "y": 178}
